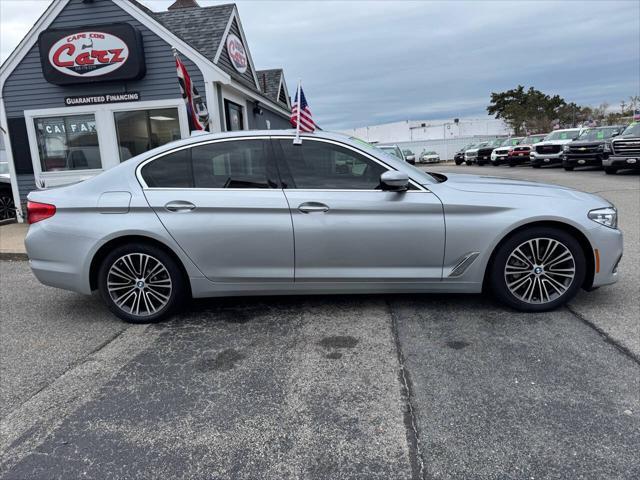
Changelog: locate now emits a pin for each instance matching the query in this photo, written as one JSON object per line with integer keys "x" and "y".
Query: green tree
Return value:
{"x": 527, "y": 111}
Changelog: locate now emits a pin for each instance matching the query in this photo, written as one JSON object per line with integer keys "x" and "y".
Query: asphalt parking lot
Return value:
{"x": 335, "y": 387}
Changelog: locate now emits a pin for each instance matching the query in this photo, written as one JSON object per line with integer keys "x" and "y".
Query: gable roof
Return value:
{"x": 273, "y": 85}
{"x": 201, "y": 27}
{"x": 269, "y": 81}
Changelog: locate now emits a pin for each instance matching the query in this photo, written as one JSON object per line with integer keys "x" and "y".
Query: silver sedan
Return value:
{"x": 255, "y": 214}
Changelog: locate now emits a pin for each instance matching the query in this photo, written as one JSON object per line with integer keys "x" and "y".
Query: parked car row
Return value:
{"x": 427, "y": 156}
{"x": 612, "y": 147}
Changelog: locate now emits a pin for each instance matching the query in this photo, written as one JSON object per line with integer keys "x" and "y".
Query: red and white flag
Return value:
{"x": 196, "y": 107}
{"x": 301, "y": 117}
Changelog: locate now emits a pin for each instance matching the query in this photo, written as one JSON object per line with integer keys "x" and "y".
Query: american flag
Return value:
{"x": 300, "y": 109}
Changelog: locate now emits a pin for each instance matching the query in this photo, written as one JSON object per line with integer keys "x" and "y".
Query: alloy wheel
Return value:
{"x": 139, "y": 284}
{"x": 7, "y": 207}
{"x": 540, "y": 270}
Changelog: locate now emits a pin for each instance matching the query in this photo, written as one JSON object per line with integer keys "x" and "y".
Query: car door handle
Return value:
{"x": 179, "y": 206}
{"x": 311, "y": 207}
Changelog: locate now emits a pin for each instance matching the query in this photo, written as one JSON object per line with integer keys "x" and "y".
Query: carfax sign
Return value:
{"x": 92, "y": 54}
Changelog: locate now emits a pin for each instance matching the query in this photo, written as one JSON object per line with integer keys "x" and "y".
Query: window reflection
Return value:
{"x": 68, "y": 143}
{"x": 141, "y": 130}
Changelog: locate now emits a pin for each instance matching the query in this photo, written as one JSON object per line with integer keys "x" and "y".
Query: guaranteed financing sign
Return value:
{"x": 90, "y": 54}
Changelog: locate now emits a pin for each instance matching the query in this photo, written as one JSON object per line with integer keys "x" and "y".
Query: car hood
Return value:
{"x": 510, "y": 186}
{"x": 587, "y": 143}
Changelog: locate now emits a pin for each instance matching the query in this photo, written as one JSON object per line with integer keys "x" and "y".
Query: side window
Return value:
{"x": 234, "y": 164}
{"x": 320, "y": 165}
{"x": 171, "y": 171}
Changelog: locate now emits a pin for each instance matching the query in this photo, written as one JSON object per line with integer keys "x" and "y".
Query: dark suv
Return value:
{"x": 623, "y": 151}
{"x": 459, "y": 156}
{"x": 588, "y": 148}
{"x": 484, "y": 153}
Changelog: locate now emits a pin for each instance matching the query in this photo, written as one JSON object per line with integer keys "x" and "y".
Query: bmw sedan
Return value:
{"x": 253, "y": 213}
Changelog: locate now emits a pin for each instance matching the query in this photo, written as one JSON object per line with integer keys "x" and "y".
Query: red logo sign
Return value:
{"x": 88, "y": 54}
{"x": 236, "y": 53}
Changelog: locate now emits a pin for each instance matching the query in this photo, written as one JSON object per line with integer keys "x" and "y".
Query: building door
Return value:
{"x": 233, "y": 116}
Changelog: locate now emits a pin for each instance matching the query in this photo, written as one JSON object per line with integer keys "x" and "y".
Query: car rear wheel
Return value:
{"x": 538, "y": 269}
{"x": 141, "y": 283}
{"x": 569, "y": 169}
{"x": 610, "y": 170}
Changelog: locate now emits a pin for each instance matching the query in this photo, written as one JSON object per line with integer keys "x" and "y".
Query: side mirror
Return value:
{"x": 615, "y": 134}
{"x": 394, "y": 181}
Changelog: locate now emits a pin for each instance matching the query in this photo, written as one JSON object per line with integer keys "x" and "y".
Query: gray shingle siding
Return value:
{"x": 26, "y": 88}
{"x": 26, "y": 184}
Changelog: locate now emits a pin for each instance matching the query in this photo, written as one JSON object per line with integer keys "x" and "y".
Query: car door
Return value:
{"x": 221, "y": 202}
{"x": 346, "y": 228}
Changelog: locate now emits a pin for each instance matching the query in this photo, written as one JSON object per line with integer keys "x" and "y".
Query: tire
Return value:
{"x": 152, "y": 306}
{"x": 569, "y": 169}
{"x": 7, "y": 207}
{"x": 504, "y": 284}
{"x": 512, "y": 164}
{"x": 468, "y": 164}
{"x": 610, "y": 170}
{"x": 535, "y": 166}
{"x": 458, "y": 162}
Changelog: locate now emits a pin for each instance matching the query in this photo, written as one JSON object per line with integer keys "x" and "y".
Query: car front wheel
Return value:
{"x": 538, "y": 269}
{"x": 610, "y": 170}
{"x": 141, "y": 283}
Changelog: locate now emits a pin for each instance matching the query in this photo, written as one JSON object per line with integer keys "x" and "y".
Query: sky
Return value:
{"x": 370, "y": 62}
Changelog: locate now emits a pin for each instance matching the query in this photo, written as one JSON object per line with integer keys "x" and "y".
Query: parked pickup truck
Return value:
{"x": 623, "y": 151}
{"x": 500, "y": 154}
{"x": 549, "y": 150}
{"x": 520, "y": 153}
{"x": 588, "y": 148}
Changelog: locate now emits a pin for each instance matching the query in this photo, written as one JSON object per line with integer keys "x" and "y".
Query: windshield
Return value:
{"x": 598, "y": 133}
{"x": 562, "y": 135}
{"x": 4, "y": 168}
{"x": 632, "y": 130}
{"x": 395, "y": 151}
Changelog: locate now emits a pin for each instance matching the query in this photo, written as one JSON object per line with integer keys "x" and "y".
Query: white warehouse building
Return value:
{"x": 442, "y": 136}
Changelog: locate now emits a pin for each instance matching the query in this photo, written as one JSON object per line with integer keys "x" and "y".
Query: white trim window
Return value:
{"x": 72, "y": 144}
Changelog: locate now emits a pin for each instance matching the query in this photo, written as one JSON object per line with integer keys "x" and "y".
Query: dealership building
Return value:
{"x": 94, "y": 83}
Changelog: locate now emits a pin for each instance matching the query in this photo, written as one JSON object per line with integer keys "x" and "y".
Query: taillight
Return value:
{"x": 39, "y": 211}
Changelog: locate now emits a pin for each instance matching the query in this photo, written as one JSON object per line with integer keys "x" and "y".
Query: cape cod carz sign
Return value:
{"x": 92, "y": 54}
{"x": 237, "y": 53}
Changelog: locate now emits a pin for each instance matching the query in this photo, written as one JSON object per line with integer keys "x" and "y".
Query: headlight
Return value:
{"x": 565, "y": 148}
{"x": 605, "y": 216}
{"x": 601, "y": 147}
{"x": 607, "y": 147}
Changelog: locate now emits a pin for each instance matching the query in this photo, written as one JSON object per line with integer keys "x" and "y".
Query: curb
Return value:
{"x": 13, "y": 256}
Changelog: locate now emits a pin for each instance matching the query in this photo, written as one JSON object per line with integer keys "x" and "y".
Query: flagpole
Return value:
{"x": 298, "y": 140}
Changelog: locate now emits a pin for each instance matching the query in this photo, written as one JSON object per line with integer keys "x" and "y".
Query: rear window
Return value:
{"x": 231, "y": 164}
{"x": 171, "y": 171}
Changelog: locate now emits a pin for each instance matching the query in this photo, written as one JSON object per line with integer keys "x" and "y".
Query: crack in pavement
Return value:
{"x": 413, "y": 435}
{"x": 608, "y": 338}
